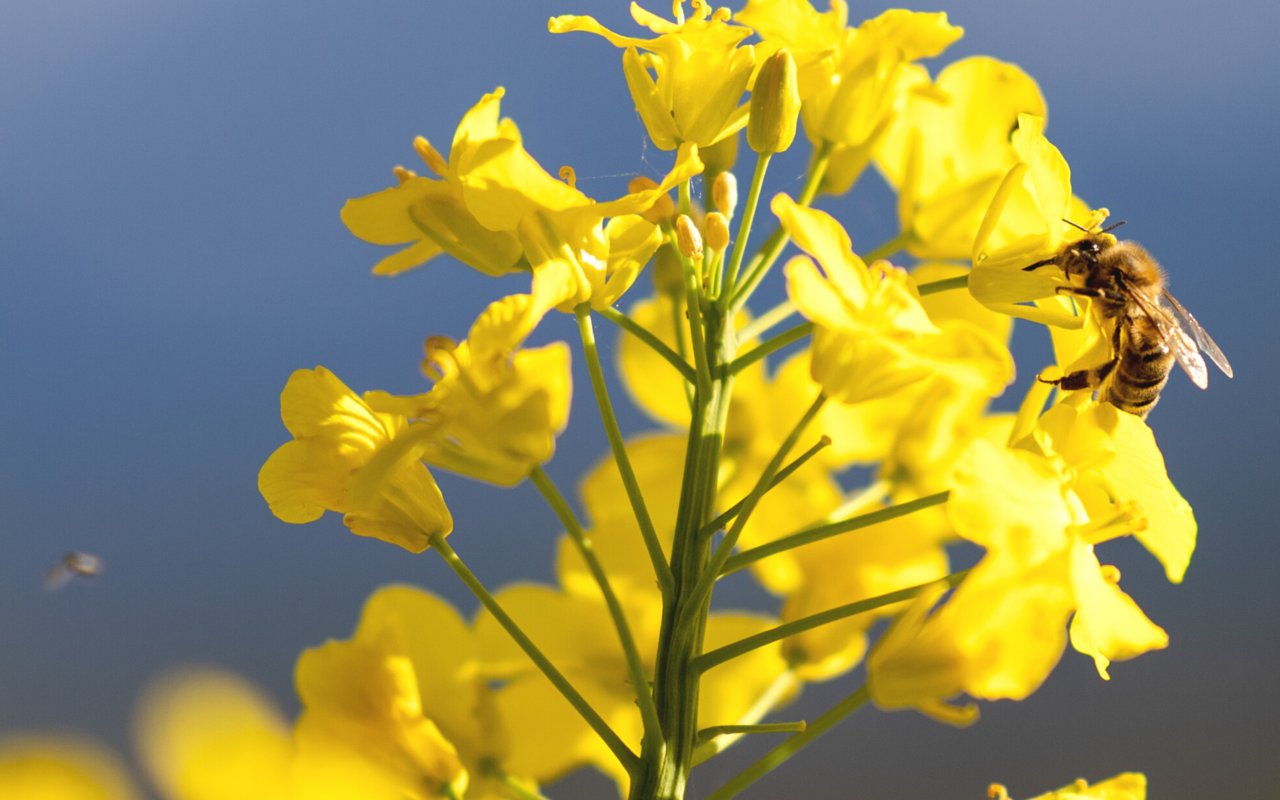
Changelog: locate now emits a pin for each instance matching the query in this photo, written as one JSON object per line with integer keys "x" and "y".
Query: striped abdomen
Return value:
{"x": 1143, "y": 363}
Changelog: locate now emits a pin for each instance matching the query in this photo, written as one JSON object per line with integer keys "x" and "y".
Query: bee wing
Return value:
{"x": 1176, "y": 339}
{"x": 1202, "y": 338}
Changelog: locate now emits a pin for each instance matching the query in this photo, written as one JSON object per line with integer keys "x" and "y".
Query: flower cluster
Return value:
{"x": 890, "y": 367}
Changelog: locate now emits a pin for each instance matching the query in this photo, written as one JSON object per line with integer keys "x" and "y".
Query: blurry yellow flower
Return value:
{"x": 205, "y": 734}
{"x": 872, "y": 337}
{"x": 574, "y": 630}
{"x": 857, "y": 566}
{"x": 495, "y": 410}
{"x": 1003, "y": 630}
{"x": 699, "y": 71}
{"x": 1126, "y": 786}
{"x": 852, "y": 81}
{"x": 401, "y": 704}
{"x": 1026, "y": 222}
{"x": 433, "y": 214}
{"x": 58, "y": 768}
{"x": 949, "y": 149}
{"x": 336, "y": 434}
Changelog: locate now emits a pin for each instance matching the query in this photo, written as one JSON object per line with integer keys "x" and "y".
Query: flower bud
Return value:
{"x": 724, "y": 193}
{"x": 775, "y": 105}
{"x": 688, "y": 239}
{"x": 717, "y": 231}
{"x": 663, "y": 208}
{"x": 668, "y": 273}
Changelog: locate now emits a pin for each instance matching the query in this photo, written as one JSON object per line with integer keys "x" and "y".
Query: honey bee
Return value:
{"x": 85, "y": 565}
{"x": 1150, "y": 327}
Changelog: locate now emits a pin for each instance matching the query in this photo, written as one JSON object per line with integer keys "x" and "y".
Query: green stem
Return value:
{"x": 791, "y": 746}
{"x": 890, "y": 247}
{"x": 767, "y": 320}
{"x": 708, "y": 579}
{"x": 693, "y": 307}
{"x": 635, "y": 666}
{"x": 619, "y": 447}
{"x": 782, "y": 687}
{"x": 628, "y": 759}
{"x": 932, "y": 287}
{"x": 707, "y": 734}
{"x": 744, "y": 226}
{"x": 784, "y": 473}
{"x": 720, "y": 655}
{"x": 658, "y": 346}
{"x": 773, "y": 246}
{"x": 774, "y": 344}
{"x": 818, "y": 533}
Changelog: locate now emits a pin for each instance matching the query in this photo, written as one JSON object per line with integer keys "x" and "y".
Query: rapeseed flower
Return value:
{"x": 61, "y": 768}
{"x": 699, "y": 72}
{"x": 337, "y": 434}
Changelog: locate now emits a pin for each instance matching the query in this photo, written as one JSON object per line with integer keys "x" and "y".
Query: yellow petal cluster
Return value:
{"x": 61, "y": 768}
{"x": 853, "y": 81}
{"x": 688, "y": 82}
{"x": 336, "y": 435}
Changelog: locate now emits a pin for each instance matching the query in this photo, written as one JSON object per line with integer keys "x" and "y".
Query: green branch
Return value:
{"x": 657, "y": 345}
{"x": 958, "y": 282}
{"x": 635, "y": 666}
{"x": 619, "y": 447}
{"x": 744, "y": 228}
{"x": 707, "y": 734}
{"x": 784, "y": 473}
{"x": 790, "y": 747}
{"x": 720, "y": 655}
{"x": 628, "y": 759}
{"x": 817, "y": 534}
{"x": 774, "y": 344}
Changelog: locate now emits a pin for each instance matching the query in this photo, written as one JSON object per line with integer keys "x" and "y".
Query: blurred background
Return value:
{"x": 170, "y": 178}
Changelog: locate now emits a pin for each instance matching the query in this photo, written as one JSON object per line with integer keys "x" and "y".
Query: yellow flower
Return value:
{"x": 433, "y": 214}
{"x": 495, "y": 410}
{"x": 1003, "y": 630}
{"x": 700, "y": 72}
{"x": 336, "y": 434}
{"x": 949, "y": 149}
{"x": 872, "y": 337}
{"x": 1125, "y": 786}
{"x": 402, "y": 703}
{"x": 60, "y": 768}
{"x": 204, "y": 734}
{"x": 853, "y": 81}
{"x": 1114, "y": 460}
{"x": 1026, "y": 222}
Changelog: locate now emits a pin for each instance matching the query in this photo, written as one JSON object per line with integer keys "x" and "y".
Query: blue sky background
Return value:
{"x": 170, "y": 250}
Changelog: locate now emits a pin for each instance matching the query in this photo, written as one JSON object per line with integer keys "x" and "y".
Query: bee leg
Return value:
{"x": 1104, "y": 294}
{"x": 1083, "y": 379}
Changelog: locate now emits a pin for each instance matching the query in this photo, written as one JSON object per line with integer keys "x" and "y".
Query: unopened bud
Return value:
{"x": 724, "y": 193}
{"x": 717, "y": 231}
{"x": 668, "y": 273}
{"x": 688, "y": 239}
{"x": 663, "y": 208}
{"x": 720, "y": 156}
{"x": 430, "y": 155}
{"x": 775, "y": 105}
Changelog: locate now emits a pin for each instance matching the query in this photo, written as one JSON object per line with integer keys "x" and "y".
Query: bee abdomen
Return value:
{"x": 1141, "y": 371}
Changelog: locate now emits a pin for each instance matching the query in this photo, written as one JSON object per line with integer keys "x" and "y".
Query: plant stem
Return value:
{"x": 635, "y": 666}
{"x": 773, "y": 246}
{"x": 707, "y": 734}
{"x": 818, "y": 533}
{"x": 720, "y": 655}
{"x": 774, "y": 344}
{"x": 890, "y": 247}
{"x": 958, "y": 282}
{"x": 783, "y": 686}
{"x": 784, "y": 473}
{"x": 791, "y": 746}
{"x": 657, "y": 345}
{"x": 744, "y": 227}
{"x": 659, "y": 559}
{"x": 702, "y": 591}
{"x": 628, "y": 759}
